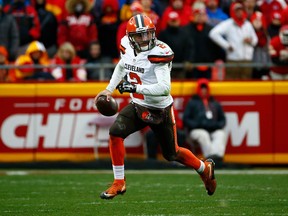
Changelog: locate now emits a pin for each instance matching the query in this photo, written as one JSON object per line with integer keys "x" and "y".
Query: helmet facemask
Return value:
{"x": 142, "y": 40}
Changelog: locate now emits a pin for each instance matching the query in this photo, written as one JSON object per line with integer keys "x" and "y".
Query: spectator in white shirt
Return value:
{"x": 237, "y": 37}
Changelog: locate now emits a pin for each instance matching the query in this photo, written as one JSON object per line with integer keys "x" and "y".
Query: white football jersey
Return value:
{"x": 150, "y": 71}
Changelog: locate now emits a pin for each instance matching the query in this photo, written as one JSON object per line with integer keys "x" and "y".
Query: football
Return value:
{"x": 106, "y": 108}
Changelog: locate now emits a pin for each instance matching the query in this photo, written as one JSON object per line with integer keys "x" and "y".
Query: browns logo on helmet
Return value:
{"x": 141, "y": 33}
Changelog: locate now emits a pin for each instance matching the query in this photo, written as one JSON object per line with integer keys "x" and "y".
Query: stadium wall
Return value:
{"x": 58, "y": 121}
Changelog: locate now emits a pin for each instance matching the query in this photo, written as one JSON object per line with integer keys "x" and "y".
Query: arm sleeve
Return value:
{"x": 117, "y": 76}
{"x": 216, "y": 35}
{"x": 163, "y": 85}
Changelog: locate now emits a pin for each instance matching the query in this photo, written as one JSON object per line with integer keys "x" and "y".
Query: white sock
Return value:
{"x": 201, "y": 168}
{"x": 118, "y": 172}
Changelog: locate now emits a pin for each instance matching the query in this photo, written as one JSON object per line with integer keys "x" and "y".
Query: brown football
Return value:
{"x": 106, "y": 108}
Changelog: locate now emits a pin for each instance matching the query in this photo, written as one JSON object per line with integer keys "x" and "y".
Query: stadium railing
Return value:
{"x": 218, "y": 67}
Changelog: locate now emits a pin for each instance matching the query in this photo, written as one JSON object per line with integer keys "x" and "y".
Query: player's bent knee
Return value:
{"x": 118, "y": 129}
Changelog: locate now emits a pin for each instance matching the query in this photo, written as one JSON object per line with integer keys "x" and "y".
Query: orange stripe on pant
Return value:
{"x": 184, "y": 155}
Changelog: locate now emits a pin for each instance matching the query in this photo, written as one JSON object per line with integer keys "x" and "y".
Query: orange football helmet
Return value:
{"x": 141, "y": 33}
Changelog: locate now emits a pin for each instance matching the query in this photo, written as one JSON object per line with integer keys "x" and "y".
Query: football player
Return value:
{"x": 145, "y": 66}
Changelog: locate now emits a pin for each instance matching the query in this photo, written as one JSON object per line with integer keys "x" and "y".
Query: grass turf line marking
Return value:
{"x": 140, "y": 172}
{"x": 17, "y": 173}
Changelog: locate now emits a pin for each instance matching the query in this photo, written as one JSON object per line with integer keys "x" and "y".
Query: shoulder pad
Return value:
{"x": 122, "y": 49}
{"x": 161, "y": 53}
{"x": 123, "y": 45}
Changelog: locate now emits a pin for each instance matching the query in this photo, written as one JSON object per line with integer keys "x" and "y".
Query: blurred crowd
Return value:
{"x": 43, "y": 39}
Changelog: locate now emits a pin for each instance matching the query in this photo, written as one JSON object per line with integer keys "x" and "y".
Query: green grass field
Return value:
{"x": 159, "y": 192}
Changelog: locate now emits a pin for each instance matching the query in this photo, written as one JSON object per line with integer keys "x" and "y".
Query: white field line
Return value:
{"x": 140, "y": 172}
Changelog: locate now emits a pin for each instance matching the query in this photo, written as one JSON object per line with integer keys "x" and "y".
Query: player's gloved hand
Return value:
{"x": 126, "y": 87}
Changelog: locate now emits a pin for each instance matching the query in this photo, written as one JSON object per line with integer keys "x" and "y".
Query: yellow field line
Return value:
{"x": 178, "y": 88}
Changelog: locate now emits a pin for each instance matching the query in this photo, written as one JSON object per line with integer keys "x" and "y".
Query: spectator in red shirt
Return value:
{"x": 278, "y": 51}
{"x": 179, "y": 6}
{"x": 78, "y": 27}
{"x": 269, "y": 6}
{"x": 66, "y": 55}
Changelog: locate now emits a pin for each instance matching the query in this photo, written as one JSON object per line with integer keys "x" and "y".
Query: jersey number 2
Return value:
{"x": 135, "y": 79}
